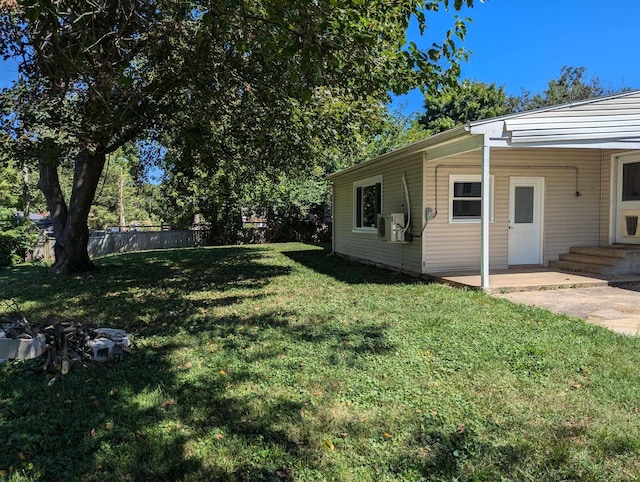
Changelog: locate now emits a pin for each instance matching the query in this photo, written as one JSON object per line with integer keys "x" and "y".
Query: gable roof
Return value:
{"x": 611, "y": 122}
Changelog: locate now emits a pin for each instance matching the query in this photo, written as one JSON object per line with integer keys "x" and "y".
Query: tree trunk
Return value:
{"x": 70, "y": 222}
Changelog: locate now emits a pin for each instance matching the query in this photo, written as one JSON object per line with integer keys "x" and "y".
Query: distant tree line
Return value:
{"x": 473, "y": 100}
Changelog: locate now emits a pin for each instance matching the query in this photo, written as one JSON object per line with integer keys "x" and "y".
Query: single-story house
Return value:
{"x": 524, "y": 189}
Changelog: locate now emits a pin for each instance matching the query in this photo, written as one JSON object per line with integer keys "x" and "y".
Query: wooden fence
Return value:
{"x": 125, "y": 242}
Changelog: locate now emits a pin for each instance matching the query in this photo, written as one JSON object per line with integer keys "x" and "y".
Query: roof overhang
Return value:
{"x": 611, "y": 122}
{"x": 443, "y": 138}
{"x": 567, "y": 134}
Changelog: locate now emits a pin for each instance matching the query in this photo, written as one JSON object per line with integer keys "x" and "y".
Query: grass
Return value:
{"x": 284, "y": 363}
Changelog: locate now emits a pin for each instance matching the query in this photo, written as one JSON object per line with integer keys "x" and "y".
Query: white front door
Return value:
{"x": 628, "y": 200}
{"x": 526, "y": 197}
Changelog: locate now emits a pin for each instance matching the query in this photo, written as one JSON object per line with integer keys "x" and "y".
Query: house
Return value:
{"x": 41, "y": 220}
{"x": 524, "y": 189}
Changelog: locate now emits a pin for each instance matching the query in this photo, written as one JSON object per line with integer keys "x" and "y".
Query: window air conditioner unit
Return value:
{"x": 630, "y": 225}
{"x": 391, "y": 227}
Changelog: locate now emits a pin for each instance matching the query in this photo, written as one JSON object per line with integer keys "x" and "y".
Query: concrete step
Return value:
{"x": 599, "y": 251}
{"x": 578, "y": 267}
{"x": 589, "y": 259}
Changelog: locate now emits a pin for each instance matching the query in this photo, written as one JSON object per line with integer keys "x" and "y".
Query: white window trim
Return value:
{"x": 453, "y": 178}
{"x": 369, "y": 181}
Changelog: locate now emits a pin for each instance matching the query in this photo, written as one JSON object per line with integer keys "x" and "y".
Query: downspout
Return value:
{"x": 406, "y": 193}
{"x": 486, "y": 212}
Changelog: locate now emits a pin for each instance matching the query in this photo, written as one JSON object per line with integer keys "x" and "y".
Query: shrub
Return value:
{"x": 17, "y": 236}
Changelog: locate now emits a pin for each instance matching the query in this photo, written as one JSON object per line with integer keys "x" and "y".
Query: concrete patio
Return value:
{"x": 616, "y": 308}
{"x": 532, "y": 279}
{"x": 609, "y": 301}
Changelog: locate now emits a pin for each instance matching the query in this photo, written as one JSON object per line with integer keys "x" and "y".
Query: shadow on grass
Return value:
{"x": 127, "y": 420}
{"x": 92, "y": 424}
{"x": 214, "y": 393}
{"x": 148, "y": 293}
{"x": 105, "y": 420}
{"x": 346, "y": 271}
{"x": 145, "y": 417}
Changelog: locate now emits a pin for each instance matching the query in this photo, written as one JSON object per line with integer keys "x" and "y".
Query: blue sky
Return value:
{"x": 522, "y": 44}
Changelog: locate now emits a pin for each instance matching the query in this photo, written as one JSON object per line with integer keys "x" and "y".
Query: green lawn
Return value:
{"x": 284, "y": 363}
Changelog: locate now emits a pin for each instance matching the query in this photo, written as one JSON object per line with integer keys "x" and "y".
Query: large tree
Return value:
{"x": 93, "y": 76}
{"x": 96, "y": 75}
{"x": 470, "y": 100}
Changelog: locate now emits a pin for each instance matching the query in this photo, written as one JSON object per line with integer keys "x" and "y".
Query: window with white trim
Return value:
{"x": 465, "y": 198}
{"x": 367, "y": 203}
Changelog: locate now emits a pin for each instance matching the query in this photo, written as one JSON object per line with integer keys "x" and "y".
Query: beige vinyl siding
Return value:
{"x": 367, "y": 246}
{"x": 569, "y": 220}
{"x": 453, "y": 246}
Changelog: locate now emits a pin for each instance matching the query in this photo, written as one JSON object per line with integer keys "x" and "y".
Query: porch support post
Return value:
{"x": 486, "y": 212}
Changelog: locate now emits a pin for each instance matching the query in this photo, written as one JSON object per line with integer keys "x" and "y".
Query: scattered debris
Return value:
{"x": 71, "y": 343}
{"x": 108, "y": 343}
{"x": 65, "y": 343}
{"x": 19, "y": 340}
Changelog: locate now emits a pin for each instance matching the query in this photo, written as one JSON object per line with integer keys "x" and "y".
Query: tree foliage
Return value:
{"x": 473, "y": 100}
{"x": 289, "y": 186}
{"x": 121, "y": 192}
{"x": 17, "y": 235}
{"x": 571, "y": 86}
{"x": 466, "y": 102}
{"x": 395, "y": 130}
{"x": 96, "y": 75}
{"x": 10, "y": 190}
{"x": 18, "y": 187}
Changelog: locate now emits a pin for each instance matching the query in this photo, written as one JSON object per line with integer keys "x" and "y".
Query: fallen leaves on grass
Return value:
{"x": 329, "y": 445}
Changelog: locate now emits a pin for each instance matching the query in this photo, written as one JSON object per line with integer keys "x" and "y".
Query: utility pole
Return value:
{"x": 121, "y": 199}
{"x": 26, "y": 193}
